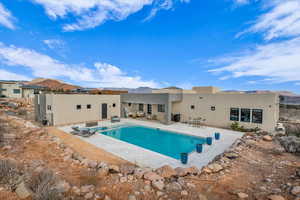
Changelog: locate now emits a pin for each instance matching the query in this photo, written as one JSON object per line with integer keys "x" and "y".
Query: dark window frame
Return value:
{"x": 259, "y": 120}
{"x": 114, "y": 105}
{"x": 129, "y": 104}
{"x": 161, "y": 108}
{"x": 149, "y": 109}
{"x": 19, "y": 91}
{"x": 88, "y": 106}
{"x": 213, "y": 108}
{"x": 192, "y": 107}
{"x": 245, "y": 115}
{"x": 78, "y": 107}
{"x": 49, "y": 107}
{"x": 233, "y": 116}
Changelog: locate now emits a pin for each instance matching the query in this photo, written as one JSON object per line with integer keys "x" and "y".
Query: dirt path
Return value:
{"x": 85, "y": 149}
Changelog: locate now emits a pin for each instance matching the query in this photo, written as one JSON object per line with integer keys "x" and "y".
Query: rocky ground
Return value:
{"x": 36, "y": 165}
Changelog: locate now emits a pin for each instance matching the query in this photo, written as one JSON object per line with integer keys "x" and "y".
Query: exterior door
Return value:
{"x": 104, "y": 111}
{"x": 149, "y": 109}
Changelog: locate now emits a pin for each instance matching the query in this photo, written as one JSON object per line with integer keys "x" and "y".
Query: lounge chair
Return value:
{"x": 83, "y": 132}
{"x": 115, "y": 119}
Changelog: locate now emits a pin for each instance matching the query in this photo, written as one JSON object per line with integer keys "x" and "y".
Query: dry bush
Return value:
{"x": 292, "y": 129}
{"x": 43, "y": 186}
{"x": 89, "y": 178}
{"x": 10, "y": 173}
{"x": 22, "y": 112}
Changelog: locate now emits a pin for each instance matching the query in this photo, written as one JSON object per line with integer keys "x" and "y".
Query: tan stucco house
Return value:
{"x": 213, "y": 107}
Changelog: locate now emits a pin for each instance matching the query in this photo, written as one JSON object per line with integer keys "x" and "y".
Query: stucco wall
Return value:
{"x": 223, "y": 103}
{"x": 64, "y": 111}
{"x": 27, "y": 93}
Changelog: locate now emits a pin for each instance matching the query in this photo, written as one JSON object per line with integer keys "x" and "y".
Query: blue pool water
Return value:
{"x": 164, "y": 142}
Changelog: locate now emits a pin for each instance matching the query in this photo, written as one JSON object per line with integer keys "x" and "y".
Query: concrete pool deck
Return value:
{"x": 146, "y": 158}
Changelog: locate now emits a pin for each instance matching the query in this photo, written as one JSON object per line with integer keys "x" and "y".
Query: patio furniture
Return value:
{"x": 115, "y": 119}
{"x": 83, "y": 132}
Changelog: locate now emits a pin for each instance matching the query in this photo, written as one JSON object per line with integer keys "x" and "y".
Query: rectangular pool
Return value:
{"x": 164, "y": 142}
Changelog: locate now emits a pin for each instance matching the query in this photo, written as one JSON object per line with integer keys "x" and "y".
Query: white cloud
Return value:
{"x": 112, "y": 76}
{"x": 54, "y": 43}
{"x": 92, "y": 13}
{"x": 281, "y": 19}
{"x": 276, "y": 62}
{"x": 241, "y": 2}
{"x": 6, "y": 75}
{"x": 160, "y": 5}
{"x": 6, "y": 18}
{"x": 41, "y": 65}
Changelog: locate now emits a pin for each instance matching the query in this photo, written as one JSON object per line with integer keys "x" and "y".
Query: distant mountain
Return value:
{"x": 52, "y": 84}
{"x": 133, "y": 90}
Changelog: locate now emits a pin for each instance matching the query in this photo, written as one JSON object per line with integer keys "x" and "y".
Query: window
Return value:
{"x": 141, "y": 107}
{"x": 245, "y": 115}
{"x": 114, "y": 105}
{"x": 89, "y": 106}
{"x": 257, "y": 116}
{"x": 160, "y": 108}
{"x": 17, "y": 91}
{"x": 78, "y": 107}
{"x": 129, "y": 104}
{"x": 212, "y": 108}
{"x": 2, "y": 89}
{"x": 192, "y": 107}
{"x": 49, "y": 107}
{"x": 234, "y": 114}
{"x": 149, "y": 109}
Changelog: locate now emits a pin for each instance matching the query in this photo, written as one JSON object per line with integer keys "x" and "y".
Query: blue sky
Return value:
{"x": 232, "y": 44}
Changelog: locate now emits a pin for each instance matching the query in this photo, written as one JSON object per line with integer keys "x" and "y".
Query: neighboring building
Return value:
{"x": 98, "y": 91}
{"x": 206, "y": 103}
{"x": 290, "y": 100}
{"x": 16, "y": 89}
{"x": 10, "y": 89}
{"x": 60, "y": 109}
{"x": 29, "y": 91}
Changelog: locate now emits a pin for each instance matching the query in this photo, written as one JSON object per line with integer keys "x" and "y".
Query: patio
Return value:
{"x": 147, "y": 158}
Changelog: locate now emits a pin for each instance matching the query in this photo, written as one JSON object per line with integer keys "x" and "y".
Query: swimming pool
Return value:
{"x": 164, "y": 142}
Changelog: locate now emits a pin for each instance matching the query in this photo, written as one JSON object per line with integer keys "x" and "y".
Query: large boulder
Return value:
{"x": 127, "y": 169}
{"x": 180, "y": 171}
{"x": 22, "y": 191}
{"x": 151, "y": 176}
{"x": 296, "y": 190}
{"x": 193, "y": 170}
{"x": 215, "y": 167}
{"x": 166, "y": 171}
{"x": 276, "y": 197}
{"x": 267, "y": 138}
{"x": 158, "y": 184}
{"x": 290, "y": 143}
{"x": 174, "y": 186}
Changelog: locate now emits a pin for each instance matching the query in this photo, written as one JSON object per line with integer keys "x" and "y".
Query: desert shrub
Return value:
{"x": 43, "y": 186}
{"x": 292, "y": 129}
{"x": 22, "y": 112}
{"x": 236, "y": 127}
{"x": 89, "y": 178}
{"x": 9, "y": 173}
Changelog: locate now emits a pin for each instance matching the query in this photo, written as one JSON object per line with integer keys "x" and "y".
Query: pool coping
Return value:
{"x": 147, "y": 158}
